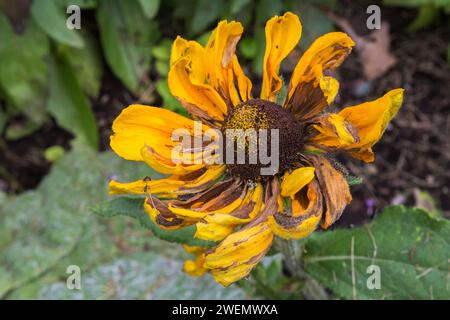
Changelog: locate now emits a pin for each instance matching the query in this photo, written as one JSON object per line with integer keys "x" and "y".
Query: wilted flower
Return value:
{"x": 233, "y": 203}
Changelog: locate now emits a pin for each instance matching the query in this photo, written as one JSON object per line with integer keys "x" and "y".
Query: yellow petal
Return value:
{"x": 238, "y": 253}
{"x": 162, "y": 186}
{"x": 220, "y": 50}
{"x": 228, "y": 205}
{"x": 282, "y": 35}
{"x": 165, "y": 165}
{"x": 305, "y": 217}
{"x": 296, "y": 180}
{"x": 195, "y": 267}
{"x": 217, "y": 226}
{"x": 161, "y": 216}
{"x": 182, "y": 48}
{"x": 372, "y": 118}
{"x": 198, "y": 97}
{"x": 308, "y": 92}
{"x": 329, "y": 87}
{"x": 357, "y": 128}
{"x": 243, "y": 82}
{"x": 139, "y": 125}
{"x": 334, "y": 131}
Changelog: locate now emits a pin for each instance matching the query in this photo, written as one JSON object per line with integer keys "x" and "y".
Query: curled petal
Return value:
{"x": 306, "y": 215}
{"x": 296, "y": 180}
{"x": 193, "y": 51}
{"x": 334, "y": 131}
{"x": 220, "y": 50}
{"x": 161, "y": 215}
{"x": 226, "y": 202}
{"x": 358, "y": 128}
{"x": 334, "y": 187}
{"x": 309, "y": 91}
{"x": 238, "y": 253}
{"x": 282, "y": 35}
{"x": 217, "y": 226}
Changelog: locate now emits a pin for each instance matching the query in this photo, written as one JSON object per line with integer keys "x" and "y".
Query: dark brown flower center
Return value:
{"x": 257, "y": 116}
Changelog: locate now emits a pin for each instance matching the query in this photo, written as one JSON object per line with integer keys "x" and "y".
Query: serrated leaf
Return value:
{"x": 133, "y": 207}
{"x": 68, "y": 104}
{"x": 51, "y": 18}
{"x": 127, "y": 37}
{"x": 410, "y": 248}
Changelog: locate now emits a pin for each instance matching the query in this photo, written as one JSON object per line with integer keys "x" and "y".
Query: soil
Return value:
{"x": 413, "y": 155}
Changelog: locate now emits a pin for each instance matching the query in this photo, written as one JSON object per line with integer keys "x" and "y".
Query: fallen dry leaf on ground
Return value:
{"x": 373, "y": 49}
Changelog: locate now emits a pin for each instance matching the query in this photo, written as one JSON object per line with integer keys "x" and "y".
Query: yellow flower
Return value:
{"x": 233, "y": 203}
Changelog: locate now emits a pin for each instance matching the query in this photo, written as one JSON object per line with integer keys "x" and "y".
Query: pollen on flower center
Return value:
{"x": 258, "y": 114}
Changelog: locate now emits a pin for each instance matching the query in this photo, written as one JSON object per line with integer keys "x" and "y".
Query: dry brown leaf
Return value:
{"x": 374, "y": 49}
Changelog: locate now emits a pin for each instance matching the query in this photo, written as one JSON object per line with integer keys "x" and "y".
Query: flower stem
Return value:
{"x": 293, "y": 254}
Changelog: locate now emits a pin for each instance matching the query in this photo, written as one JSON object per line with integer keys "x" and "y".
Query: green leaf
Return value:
{"x": 248, "y": 47}
{"x": 162, "y": 50}
{"x": 417, "y": 3}
{"x": 69, "y": 105}
{"x": 353, "y": 180}
{"x": 126, "y": 37}
{"x": 23, "y": 70}
{"x": 169, "y": 102}
{"x": 17, "y": 131}
{"x": 426, "y": 16}
{"x": 205, "y": 13}
{"x": 87, "y": 62}
{"x": 83, "y": 4}
{"x": 150, "y": 7}
{"x": 410, "y": 248}
{"x": 146, "y": 275}
{"x": 162, "y": 67}
{"x": 45, "y": 230}
{"x": 52, "y": 19}
{"x": 238, "y": 5}
{"x": 315, "y": 23}
{"x": 133, "y": 207}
